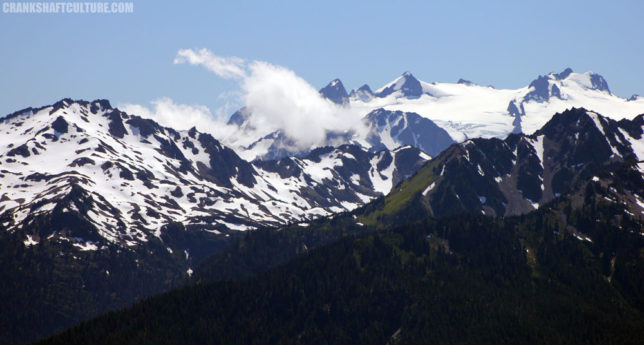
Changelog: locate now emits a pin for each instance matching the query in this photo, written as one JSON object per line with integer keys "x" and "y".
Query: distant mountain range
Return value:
{"x": 467, "y": 110}
{"x": 463, "y": 109}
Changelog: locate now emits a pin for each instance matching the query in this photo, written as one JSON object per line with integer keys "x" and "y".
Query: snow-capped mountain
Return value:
{"x": 463, "y": 109}
{"x": 127, "y": 177}
{"x": 466, "y": 110}
{"x": 335, "y": 92}
{"x": 384, "y": 129}
{"x": 392, "y": 129}
{"x": 577, "y": 151}
{"x": 406, "y": 85}
{"x": 363, "y": 93}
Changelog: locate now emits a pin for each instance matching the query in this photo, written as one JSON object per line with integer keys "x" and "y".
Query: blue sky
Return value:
{"x": 128, "y": 58}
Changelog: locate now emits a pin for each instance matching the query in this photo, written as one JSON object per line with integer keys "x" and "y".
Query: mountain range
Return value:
{"x": 401, "y": 271}
{"x": 100, "y": 208}
{"x": 132, "y": 176}
{"x": 463, "y": 110}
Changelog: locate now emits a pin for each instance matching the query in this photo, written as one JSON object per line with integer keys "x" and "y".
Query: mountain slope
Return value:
{"x": 568, "y": 272}
{"x": 510, "y": 281}
{"x": 132, "y": 176}
{"x": 335, "y": 92}
{"x": 99, "y": 208}
{"x": 517, "y": 175}
{"x": 484, "y": 176}
{"x": 392, "y": 129}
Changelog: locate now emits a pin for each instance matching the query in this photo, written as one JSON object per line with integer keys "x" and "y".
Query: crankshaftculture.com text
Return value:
{"x": 67, "y": 7}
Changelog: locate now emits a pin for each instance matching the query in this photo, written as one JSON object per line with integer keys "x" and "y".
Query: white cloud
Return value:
{"x": 225, "y": 67}
{"x": 179, "y": 116}
{"x": 277, "y": 99}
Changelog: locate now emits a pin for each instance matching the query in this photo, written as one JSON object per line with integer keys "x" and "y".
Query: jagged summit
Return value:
{"x": 335, "y": 92}
{"x": 465, "y": 82}
{"x": 363, "y": 93}
{"x": 564, "y": 74}
{"x": 239, "y": 117}
{"x": 407, "y": 84}
{"x": 95, "y": 106}
{"x": 365, "y": 88}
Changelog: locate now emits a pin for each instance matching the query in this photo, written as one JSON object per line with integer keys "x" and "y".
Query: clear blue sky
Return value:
{"x": 127, "y": 58}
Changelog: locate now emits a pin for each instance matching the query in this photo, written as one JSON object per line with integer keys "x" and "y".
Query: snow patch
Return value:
{"x": 30, "y": 241}
{"x": 429, "y": 188}
{"x": 86, "y": 246}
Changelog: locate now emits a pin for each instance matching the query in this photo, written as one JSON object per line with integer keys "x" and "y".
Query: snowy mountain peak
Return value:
{"x": 564, "y": 74}
{"x": 363, "y": 94}
{"x": 599, "y": 83}
{"x": 466, "y": 110}
{"x": 406, "y": 84}
{"x": 465, "y": 82}
{"x": 588, "y": 80}
{"x": 239, "y": 117}
{"x": 392, "y": 129}
{"x": 335, "y": 92}
{"x": 542, "y": 89}
{"x": 365, "y": 88}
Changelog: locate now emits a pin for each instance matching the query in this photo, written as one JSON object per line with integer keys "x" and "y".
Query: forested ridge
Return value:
{"x": 460, "y": 280}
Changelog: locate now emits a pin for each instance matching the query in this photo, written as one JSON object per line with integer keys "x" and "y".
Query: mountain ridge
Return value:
{"x": 516, "y": 175}
{"x": 464, "y": 109}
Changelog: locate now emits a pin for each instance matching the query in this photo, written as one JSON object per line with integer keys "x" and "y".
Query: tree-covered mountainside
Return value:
{"x": 560, "y": 275}
{"x": 257, "y": 251}
{"x": 50, "y": 285}
{"x": 570, "y": 272}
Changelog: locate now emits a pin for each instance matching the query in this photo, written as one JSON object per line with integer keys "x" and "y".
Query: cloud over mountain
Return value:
{"x": 277, "y": 99}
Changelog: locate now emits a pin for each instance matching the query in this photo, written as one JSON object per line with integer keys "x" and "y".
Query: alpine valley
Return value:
{"x": 534, "y": 197}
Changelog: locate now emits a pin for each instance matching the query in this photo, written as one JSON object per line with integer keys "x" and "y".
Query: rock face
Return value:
{"x": 407, "y": 84}
{"x": 363, "y": 93}
{"x": 391, "y": 129}
{"x": 335, "y": 92}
